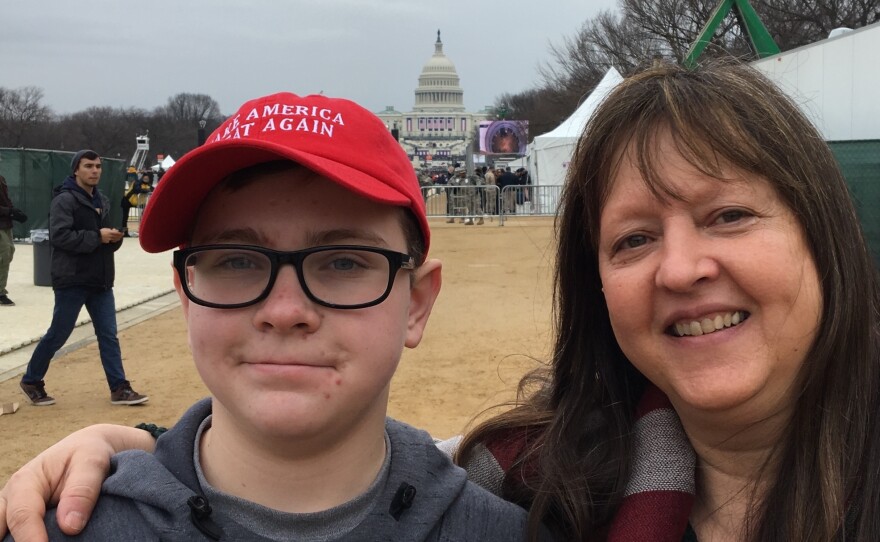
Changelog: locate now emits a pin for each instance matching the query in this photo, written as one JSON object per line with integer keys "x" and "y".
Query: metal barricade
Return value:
{"x": 461, "y": 202}
{"x": 435, "y": 200}
{"x": 458, "y": 204}
{"x": 136, "y": 211}
{"x": 530, "y": 200}
{"x": 487, "y": 201}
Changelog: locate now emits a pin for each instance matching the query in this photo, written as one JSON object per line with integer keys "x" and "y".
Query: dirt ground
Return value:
{"x": 490, "y": 325}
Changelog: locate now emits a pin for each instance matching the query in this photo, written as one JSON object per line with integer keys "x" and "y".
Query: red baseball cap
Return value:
{"x": 333, "y": 137}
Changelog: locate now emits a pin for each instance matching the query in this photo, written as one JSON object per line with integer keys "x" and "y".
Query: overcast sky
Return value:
{"x": 119, "y": 53}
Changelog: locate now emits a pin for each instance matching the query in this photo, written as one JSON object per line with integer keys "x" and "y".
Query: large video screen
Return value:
{"x": 504, "y": 137}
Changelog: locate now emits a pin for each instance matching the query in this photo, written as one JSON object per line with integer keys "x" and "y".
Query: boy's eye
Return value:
{"x": 239, "y": 263}
{"x": 236, "y": 262}
{"x": 343, "y": 264}
{"x": 351, "y": 262}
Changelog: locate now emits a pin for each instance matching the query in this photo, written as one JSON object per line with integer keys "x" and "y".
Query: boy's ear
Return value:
{"x": 426, "y": 286}
{"x": 184, "y": 301}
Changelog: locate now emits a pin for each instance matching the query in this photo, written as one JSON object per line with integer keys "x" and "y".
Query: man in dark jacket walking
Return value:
{"x": 83, "y": 270}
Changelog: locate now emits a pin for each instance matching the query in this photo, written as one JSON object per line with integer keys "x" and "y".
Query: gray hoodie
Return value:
{"x": 425, "y": 497}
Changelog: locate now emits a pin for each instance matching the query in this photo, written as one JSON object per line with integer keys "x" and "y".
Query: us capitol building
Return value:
{"x": 438, "y": 129}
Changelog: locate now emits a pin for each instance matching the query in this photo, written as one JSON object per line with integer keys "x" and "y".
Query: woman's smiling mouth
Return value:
{"x": 709, "y": 324}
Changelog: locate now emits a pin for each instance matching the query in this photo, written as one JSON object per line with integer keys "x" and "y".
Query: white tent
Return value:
{"x": 550, "y": 153}
{"x": 166, "y": 163}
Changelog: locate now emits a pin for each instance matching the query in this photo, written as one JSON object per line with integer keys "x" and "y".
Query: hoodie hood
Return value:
{"x": 70, "y": 184}
{"x": 425, "y": 496}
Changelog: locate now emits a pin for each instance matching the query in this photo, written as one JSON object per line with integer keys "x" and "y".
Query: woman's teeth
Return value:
{"x": 696, "y": 328}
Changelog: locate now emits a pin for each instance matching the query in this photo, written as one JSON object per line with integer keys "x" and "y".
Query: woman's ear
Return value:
{"x": 423, "y": 293}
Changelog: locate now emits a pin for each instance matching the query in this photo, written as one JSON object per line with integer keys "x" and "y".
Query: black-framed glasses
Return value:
{"x": 339, "y": 277}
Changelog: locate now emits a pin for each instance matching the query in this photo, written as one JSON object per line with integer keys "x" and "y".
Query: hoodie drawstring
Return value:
{"x": 402, "y": 500}
{"x": 200, "y": 514}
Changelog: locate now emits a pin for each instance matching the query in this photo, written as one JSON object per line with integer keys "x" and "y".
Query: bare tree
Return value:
{"x": 174, "y": 126}
{"x": 643, "y": 30}
{"x": 21, "y": 110}
{"x": 190, "y": 108}
{"x": 109, "y": 131}
{"x": 797, "y": 22}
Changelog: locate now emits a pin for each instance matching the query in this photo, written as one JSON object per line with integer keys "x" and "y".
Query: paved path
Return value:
{"x": 143, "y": 289}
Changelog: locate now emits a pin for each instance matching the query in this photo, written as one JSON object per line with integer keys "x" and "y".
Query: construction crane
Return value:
{"x": 140, "y": 152}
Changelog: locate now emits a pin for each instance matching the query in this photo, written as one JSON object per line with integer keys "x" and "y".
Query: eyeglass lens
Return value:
{"x": 338, "y": 276}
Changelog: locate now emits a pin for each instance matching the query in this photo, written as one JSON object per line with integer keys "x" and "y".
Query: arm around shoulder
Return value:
{"x": 71, "y": 472}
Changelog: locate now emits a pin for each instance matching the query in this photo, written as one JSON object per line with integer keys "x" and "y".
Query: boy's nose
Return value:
{"x": 287, "y": 306}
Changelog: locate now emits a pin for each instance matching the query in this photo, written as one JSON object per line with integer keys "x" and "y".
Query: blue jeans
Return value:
{"x": 68, "y": 302}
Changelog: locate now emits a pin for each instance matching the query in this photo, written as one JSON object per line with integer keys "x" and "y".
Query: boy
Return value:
{"x": 302, "y": 278}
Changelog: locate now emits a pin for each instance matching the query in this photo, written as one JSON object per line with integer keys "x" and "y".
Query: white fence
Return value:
{"x": 134, "y": 214}
{"x": 474, "y": 202}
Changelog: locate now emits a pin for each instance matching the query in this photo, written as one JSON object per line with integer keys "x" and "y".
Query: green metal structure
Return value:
{"x": 760, "y": 39}
{"x": 859, "y": 161}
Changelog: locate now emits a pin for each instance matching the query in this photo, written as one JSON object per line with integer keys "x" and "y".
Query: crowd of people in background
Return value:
{"x": 468, "y": 197}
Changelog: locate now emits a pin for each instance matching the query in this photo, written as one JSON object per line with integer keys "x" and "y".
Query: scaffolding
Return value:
{"x": 140, "y": 152}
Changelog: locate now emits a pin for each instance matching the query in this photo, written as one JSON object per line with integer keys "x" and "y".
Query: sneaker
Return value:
{"x": 124, "y": 395}
{"x": 37, "y": 393}
{"x": 450, "y": 221}
{"x": 6, "y": 302}
{"x": 480, "y": 222}
{"x": 469, "y": 222}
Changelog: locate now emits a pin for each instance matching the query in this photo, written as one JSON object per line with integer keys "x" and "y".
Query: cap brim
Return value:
{"x": 168, "y": 217}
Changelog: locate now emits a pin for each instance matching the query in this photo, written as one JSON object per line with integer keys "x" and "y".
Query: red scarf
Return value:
{"x": 660, "y": 492}
{"x": 658, "y": 498}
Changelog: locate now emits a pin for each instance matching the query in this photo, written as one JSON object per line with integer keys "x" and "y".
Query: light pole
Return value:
{"x": 202, "y": 132}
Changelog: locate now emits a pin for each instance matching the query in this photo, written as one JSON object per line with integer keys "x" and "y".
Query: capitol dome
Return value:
{"x": 439, "y": 89}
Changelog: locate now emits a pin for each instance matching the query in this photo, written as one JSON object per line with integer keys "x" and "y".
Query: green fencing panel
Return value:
{"x": 860, "y": 163}
{"x": 33, "y": 174}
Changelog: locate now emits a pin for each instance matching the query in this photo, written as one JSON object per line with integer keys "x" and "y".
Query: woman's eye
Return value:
{"x": 633, "y": 241}
{"x": 732, "y": 215}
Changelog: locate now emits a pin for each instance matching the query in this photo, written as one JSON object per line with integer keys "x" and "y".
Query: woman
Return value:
{"x": 715, "y": 370}
{"x": 708, "y": 247}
